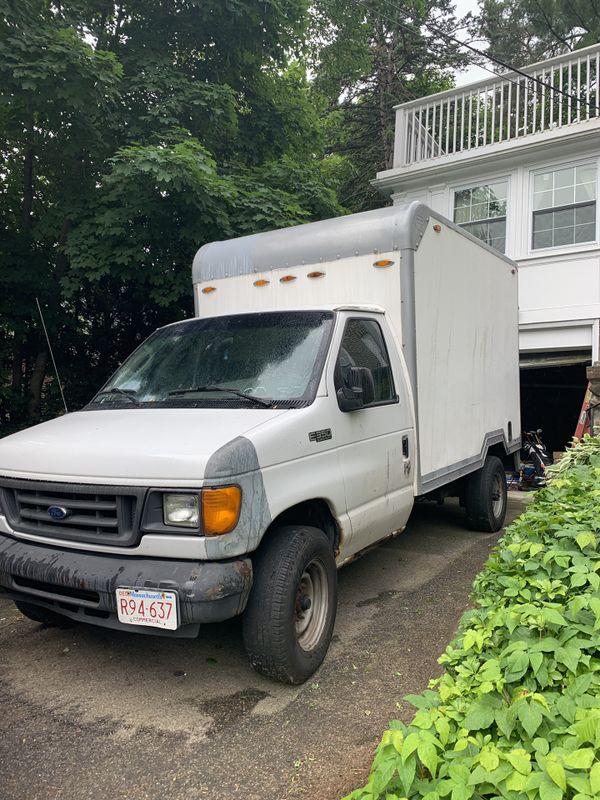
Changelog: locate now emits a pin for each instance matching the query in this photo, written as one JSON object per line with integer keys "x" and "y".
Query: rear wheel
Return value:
{"x": 290, "y": 615}
{"x": 43, "y": 615}
{"x": 485, "y": 496}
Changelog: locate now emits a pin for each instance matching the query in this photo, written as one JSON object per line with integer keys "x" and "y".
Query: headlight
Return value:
{"x": 182, "y": 510}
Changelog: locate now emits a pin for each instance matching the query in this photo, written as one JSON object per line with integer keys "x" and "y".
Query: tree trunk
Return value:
{"x": 36, "y": 384}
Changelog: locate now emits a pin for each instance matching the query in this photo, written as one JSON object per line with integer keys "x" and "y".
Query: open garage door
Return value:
{"x": 553, "y": 385}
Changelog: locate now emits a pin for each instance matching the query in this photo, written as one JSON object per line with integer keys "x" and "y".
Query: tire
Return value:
{"x": 42, "y": 615}
{"x": 285, "y": 639}
{"x": 485, "y": 497}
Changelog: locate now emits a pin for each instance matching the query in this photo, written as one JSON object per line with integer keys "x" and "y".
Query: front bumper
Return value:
{"x": 82, "y": 586}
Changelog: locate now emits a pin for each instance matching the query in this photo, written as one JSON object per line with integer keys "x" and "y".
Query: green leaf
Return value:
{"x": 569, "y": 656}
{"x": 516, "y": 782}
{"x": 462, "y": 792}
{"x": 410, "y": 745}
{"x": 554, "y": 617}
{"x": 595, "y": 779}
{"x": 579, "y": 759}
{"x": 520, "y": 760}
{"x": 530, "y": 717}
{"x": 428, "y": 756}
{"x": 442, "y": 726}
{"x": 406, "y": 772}
{"x": 489, "y": 760}
{"x": 586, "y": 539}
{"x": 517, "y": 665}
{"x": 536, "y": 661}
{"x": 397, "y": 739}
{"x": 480, "y": 714}
{"x": 549, "y": 790}
{"x": 557, "y": 773}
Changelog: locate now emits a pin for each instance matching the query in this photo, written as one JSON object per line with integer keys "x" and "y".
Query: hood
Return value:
{"x": 137, "y": 446}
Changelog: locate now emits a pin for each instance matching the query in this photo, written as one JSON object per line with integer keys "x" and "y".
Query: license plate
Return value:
{"x": 151, "y": 607}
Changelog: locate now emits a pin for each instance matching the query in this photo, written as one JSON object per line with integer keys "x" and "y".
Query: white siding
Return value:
{"x": 559, "y": 288}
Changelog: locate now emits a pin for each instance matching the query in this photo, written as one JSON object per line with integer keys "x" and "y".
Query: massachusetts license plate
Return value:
{"x": 147, "y": 607}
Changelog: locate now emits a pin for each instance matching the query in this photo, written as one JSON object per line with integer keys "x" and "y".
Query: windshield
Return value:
{"x": 271, "y": 359}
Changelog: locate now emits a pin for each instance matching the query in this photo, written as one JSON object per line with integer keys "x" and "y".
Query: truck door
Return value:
{"x": 376, "y": 441}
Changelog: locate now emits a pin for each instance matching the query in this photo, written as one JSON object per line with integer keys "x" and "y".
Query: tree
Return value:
{"x": 131, "y": 133}
{"x": 367, "y": 57}
{"x": 521, "y": 32}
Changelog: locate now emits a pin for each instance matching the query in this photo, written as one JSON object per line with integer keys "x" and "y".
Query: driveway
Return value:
{"x": 91, "y": 713}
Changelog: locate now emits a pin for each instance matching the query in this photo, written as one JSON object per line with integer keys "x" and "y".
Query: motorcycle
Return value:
{"x": 535, "y": 458}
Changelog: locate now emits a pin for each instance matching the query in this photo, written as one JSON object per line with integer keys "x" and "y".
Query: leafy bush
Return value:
{"x": 517, "y": 713}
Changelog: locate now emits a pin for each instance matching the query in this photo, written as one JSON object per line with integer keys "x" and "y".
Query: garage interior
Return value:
{"x": 553, "y": 386}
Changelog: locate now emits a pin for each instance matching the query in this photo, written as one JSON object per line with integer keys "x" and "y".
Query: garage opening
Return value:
{"x": 552, "y": 390}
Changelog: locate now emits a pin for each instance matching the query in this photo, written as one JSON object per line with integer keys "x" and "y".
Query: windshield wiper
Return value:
{"x": 123, "y": 392}
{"x": 258, "y": 400}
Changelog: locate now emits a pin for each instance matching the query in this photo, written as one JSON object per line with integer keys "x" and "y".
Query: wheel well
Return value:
{"x": 508, "y": 459}
{"x": 316, "y": 513}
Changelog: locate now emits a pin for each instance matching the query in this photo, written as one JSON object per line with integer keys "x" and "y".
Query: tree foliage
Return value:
{"x": 367, "y": 57}
{"x": 130, "y": 134}
{"x": 522, "y": 32}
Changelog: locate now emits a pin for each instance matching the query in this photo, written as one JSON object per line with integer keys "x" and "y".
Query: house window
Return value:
{"x": 564, "y": 206}
{"x": 481, "y": 210}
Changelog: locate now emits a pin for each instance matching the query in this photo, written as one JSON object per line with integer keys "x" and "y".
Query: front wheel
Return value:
{"x": 290, "y": 615}
{"x": 485, "y": 496}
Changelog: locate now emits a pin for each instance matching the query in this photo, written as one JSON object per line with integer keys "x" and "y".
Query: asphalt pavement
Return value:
{"x": 90, "y": 713}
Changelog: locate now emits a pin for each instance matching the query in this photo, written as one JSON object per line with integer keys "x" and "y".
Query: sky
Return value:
{"x": 472, "y": 73}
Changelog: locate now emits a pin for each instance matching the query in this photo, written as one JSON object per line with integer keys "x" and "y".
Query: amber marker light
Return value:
{"x": 261, "y": 282}
{"x": 209, "y": 289}
{"x": 315, "y": 274}
{"x": 384, "y": 262}
{"x": 220, "y": 509}
{"x": 287, "y": 279}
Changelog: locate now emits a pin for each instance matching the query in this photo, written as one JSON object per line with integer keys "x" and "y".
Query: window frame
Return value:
{"x": 395, "y": 399}
{"x": 575, "y": 247}
{"x": 478, "y": 184}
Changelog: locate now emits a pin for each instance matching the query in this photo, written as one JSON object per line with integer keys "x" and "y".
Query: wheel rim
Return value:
{"x": 498, "y": 496}
{"x": 312, "y": 603}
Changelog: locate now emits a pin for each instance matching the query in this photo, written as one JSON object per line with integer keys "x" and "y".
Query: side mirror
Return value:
{"x": 361, "y": 391}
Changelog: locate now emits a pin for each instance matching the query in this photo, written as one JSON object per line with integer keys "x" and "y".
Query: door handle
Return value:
{"x": 405, "y": 451}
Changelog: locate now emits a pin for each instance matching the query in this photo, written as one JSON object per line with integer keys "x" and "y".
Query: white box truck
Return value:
{"x": 335, "y": 372}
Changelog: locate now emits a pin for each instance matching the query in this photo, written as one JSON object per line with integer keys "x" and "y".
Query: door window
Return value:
{"x": 363, "y": 345}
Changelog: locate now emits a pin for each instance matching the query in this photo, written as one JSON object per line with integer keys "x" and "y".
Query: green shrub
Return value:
{"x": 516, "y": 714}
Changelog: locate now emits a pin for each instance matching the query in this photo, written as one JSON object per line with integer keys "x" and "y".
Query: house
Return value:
{"x": 515, "y": 160}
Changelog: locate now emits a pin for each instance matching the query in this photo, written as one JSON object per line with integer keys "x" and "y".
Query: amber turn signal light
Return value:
{"x": 220, "y": 509}
{"x": 209, "y": 289}
{"x": 384, "y": 262}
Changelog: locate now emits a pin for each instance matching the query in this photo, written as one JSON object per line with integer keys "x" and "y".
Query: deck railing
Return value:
{"x": 556, "y": 93}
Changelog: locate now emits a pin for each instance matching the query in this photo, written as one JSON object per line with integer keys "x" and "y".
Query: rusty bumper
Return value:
{"x": 82, "y": 585}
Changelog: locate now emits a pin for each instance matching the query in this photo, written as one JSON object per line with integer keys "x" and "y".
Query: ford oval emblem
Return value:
{"x": 58, "y": 512}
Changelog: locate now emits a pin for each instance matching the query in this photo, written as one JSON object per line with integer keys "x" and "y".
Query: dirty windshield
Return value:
{"x": 262, "y": 360}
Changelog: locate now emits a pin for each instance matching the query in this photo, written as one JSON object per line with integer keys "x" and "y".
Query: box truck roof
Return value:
{"x": 383, "y": 230}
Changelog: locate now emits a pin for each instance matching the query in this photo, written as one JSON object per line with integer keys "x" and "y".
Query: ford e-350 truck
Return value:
{"x": 334, "y": 373}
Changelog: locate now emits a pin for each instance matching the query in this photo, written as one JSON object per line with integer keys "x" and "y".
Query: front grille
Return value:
{"x": 101, "y": 514}
{"x": 42, "y": 588}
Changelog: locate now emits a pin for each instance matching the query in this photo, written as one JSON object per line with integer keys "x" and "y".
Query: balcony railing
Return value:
{"x": 556, "y": 93}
